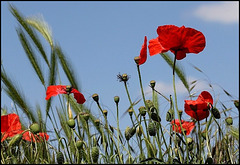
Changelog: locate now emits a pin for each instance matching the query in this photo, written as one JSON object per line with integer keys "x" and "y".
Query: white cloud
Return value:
{"x": 224, "y": 12}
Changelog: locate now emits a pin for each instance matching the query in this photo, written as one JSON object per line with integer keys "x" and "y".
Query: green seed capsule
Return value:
{"x": 142, "y": 110}
{"x": 229, "y": 120}
{"x": 35, "y": 128}
{"x": 116, "y": 99}
{"x": 152, "y": 83}
{"x": 97, "y": 122}
{"x": 105, "y": 112}
{"x": 71, "y": 123}
{"x": 149, "y": 104}
{"x": 95, "y": 154}
{"x": 152, "y": 129}
{"x": 60, "y": 158}
{"x": 79, "y": 144}
{"x": 95, "y": 97}
{"x": 86, "y": 116}
{"x": 169, "y": 115}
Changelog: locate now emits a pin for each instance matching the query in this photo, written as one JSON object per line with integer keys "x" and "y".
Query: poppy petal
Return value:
{"x": 143, "y": 52}
{"x": 206, "y": 97}
{"x": 78, "y": 96}
{"x": 186, "y": 125}
{"x": 54, "y": 90}
{"x": 155, "y": 47}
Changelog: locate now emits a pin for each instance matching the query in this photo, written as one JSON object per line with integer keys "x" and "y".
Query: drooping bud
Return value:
{"x": 60, "y": 158}
{"x": 95, "y": 154}
{"x": 139, "y": 131}
{"x": 142, "y": 110}
{"x": 133, "y": 131}
{"x": 152, "y": 83}
{"x": 152, "y": 129}
{"x": 127, "y": 133}
{"x": 116, "y": 99}
{"x": 229, "y": 120}
{"x": 35, "y": 128}
{"x": 155, "y": 117}
{"x": 71, "y": 123}
{"x": 169, "y": 115}
{"x": 216, "y": 113}
{"x": 95, "y": 97}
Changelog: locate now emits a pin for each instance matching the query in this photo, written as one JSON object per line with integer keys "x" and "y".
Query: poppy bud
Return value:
{"x": 71, "y": 123}
{"x": 152, "y": 83}
{"x": 229, "y": 120}
{"x": 97, "y": 122}
{"x": 116, "y": 99}
{"x": 105, "y": 112}
{"x": 169, "y": 115}
{"x": 137, "y": 59}
{"x": 155, "y": 117}
{"x": 216, "y": 113}
{"x": 125, "y": 77}
{"x": 142, "y": 110}
{"x": 35, "y": 128}
{"x": 139, "y": 131}
{"x": 236, "y": 103}
{"x": 133, "y": 131}
{"x": 15, "y": 140}
{"x": 130, "y": 111}
{"x": 79, "y": 144}
{"x": 95, "y": 154}
{"x": 86, "y": 116}
{"x": 153, "y": 109}
{"x": 127, "y": 133}
{"x": 60, "y": 158}
{"x": 152, "y": 129}
{"x": 180, "y": 113}
{"x": 149, "y": 104}
{"x": 95, "y": 97}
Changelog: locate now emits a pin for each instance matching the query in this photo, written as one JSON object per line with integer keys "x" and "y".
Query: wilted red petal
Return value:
{"x": 155, "y": 47}
{"x": 143, "y": 52}
{"x": 28, "y": 136}
{"x": 10, "y": 125}
{"x": 186, "y": 125}
{"x": 78, "y": 96}
{"x": 199, "y": 109}
{"x": 54, "y": 90}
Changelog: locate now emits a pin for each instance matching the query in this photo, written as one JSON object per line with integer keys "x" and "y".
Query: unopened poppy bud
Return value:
{"x": 97, "y": 122}
{"x": 152, "y": 83}
{"x": 152, "y": 129}
{"x": 79, "y": 144}
{"x": 35, "y": 128}
{"x": 155, "y": 117}
{"x": 71, "y": 123}
{"x": 229, "y": 120}
{"x": 127, "y": 133}
{"x": 116, "y": 99}
{"x": 142, "y": 110}
{"x": 15, "y": 140}
{"x": 137, "y": 59}
{"x": 149, "y": 104}
{"x": 125, "y": 77}
{"x": 60, "y": 158}
{"x": 95, "y": 97}
{"x": 86, "y": 116}
{"x": 216, "y": 113}
{"x": 95, "y": 154}
{"x": 180, "y": 113}
{"x": 169, "y": 115}
{"x": 68, "y": 89}
{"x": 130, "y": 111}
{"x": 139, "y": 131}
{"x": 133, "y": 131}
{"x": 105, "y": 112}
{"x": 236, "y": 103}
{"x": 153, "y": 109}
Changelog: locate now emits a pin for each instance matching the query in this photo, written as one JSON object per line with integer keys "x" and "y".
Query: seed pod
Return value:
{"x": 97, "y": 122}
{"x": 35, "y": 128}
{"x": 15, "y": 140}
{"x": 105, "y": 112}
{"x": 137, "y": 59}
{"x": 142, "y": 110}
{"x": 130, "y": 112}
{"x": 125, "y": 77}
{"x": 216, "y": 113}
{"x": 116, "y": 99}
{"x": 95, "y": 97}
{"x": 86, "y": 116}
{"x": 127, "y": 133}
{"x": 169, "y": 115}
{"x": 60, "y": 158}
{"x": 152, "y": 129}
{"x": 152, "y": 83}
{"x": 229, "y": 120}
{"x": 95, "y": 154}
{"x": 79, "y": 144}
{"x": 155, "y": 117}
{"x": 139, "y": 131}
{"x": 180, "y": 113}
{"x": 71, "y": 123}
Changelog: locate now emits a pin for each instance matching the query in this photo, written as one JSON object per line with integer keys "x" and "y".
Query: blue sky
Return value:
{"x": 101, "y": 40}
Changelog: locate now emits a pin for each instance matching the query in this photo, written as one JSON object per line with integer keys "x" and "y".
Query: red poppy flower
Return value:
{"x": 143, "y": 52}
{"x": 54, "y": 90}
{"x": 179, "y": 40}
{"x": 199, "y": 109}
{"x": 28, "y": 136}
{"x": 10, "y": 126}
{"x": 186, "y": 125}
